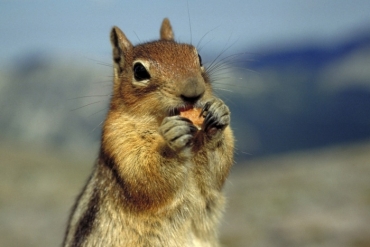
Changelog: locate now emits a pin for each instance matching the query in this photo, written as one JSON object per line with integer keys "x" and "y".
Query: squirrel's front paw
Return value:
{"x": 217, "y": 117}
{"x": 177, "y": 131}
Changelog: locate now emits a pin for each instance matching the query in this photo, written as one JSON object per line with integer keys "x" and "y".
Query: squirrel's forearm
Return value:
{"x": 216, "y": 157}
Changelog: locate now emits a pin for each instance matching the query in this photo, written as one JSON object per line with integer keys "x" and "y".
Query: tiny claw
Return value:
{"x": 204, "y": 109}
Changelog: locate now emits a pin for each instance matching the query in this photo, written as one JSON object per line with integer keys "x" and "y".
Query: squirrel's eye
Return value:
{"x": 200, "y": 60}
{"x": 140, "y": 72}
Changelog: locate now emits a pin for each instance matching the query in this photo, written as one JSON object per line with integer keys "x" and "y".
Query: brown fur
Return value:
{"x": 158, "y": 180}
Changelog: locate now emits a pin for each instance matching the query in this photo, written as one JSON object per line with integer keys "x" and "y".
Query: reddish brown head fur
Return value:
{"x": 171, "y": 84}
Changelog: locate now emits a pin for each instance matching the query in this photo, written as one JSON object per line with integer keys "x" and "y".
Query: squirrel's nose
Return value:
{"x": 193, "y": 90}
{"x": 191, "y": 100}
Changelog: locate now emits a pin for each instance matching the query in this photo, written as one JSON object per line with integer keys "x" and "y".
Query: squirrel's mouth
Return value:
{"x": 183, "y": 108}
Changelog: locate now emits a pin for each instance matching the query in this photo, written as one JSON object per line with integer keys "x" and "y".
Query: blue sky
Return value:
{"x": 77, "y": 29}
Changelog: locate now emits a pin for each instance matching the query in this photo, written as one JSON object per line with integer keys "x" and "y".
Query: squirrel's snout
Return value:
{"x": 193, "y": 90}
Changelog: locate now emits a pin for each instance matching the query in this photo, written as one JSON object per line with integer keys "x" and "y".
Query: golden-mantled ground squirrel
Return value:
{"x": 158, "y": 179}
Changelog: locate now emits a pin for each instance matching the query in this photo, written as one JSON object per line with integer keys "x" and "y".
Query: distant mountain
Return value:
{"x": 308, "y": 96}
{"x": 311, "y": 56}
{"x": 49, "y": 102}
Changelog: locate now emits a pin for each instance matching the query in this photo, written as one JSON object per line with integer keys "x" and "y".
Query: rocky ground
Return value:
{"x": 313, "y": 198}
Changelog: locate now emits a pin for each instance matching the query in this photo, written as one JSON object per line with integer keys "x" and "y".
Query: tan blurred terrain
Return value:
{"x": 316, "y": 198}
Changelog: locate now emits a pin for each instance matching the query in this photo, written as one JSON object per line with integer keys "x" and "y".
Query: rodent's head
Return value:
{"x": 157, "y": 78}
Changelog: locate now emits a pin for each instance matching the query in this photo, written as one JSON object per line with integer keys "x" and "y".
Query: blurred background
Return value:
{"x": 295, "y": 74}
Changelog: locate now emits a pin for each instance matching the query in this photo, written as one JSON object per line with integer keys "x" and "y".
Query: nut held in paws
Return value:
{"x": 193, "y": 115}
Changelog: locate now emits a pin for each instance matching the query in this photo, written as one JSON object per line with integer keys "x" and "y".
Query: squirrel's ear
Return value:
{"x": 166, "y": 30}
{"x": 120, "y": 45}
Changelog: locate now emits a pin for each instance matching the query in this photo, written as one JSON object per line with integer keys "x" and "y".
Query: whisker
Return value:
{"x": 92, "y": 103}
{"x": 223, "y": 89}
{"x": 137, "y": 37}
{"x": 226, "y": 61}
{"x": 201, "y": 39}
{"x": 220, "y": 83}
{"x": 191, "y": 33}
{"x": 100, "y": 62}
{"x": 98, "y": 82}
{"x": 97, "y": 126}
{"x": 90, "y": 96}
{"x": 226, "y": 48}
{"x": 104, "y": 109}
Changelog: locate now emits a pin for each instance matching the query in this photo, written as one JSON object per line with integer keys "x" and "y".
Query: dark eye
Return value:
{"x": 140, "y": 72}
{"x": 200, "y": 60}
